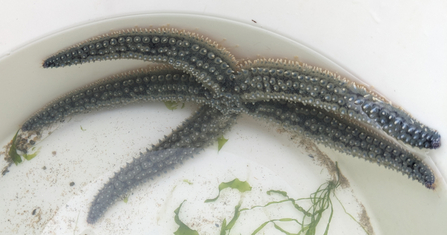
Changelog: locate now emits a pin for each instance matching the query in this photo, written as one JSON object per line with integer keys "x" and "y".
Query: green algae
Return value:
{"x": 183, "y": 228}
{"x": 220, "y": 142}
{"x": 173, "y": 105}
{"x": 31, "y": 155}
{"x": 242, "y": 186}
{"x": 15, "y": 156}
{"x": 320, "y": 204}
{"x": 13, "y": 151}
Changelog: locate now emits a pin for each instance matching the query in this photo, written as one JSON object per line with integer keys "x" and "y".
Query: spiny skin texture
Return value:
{"x": 191, "y": 137}
{"x": 276, "y": 80}
{"x": 151, "y": 84}
{"x": 335, "y": 112}
{"x": 210, "y": 64}
{"x": 343, "y": 136}
{"x": 215, "y": 68}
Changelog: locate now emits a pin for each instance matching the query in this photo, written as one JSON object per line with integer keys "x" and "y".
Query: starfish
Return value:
{"x": 318, "y": 104}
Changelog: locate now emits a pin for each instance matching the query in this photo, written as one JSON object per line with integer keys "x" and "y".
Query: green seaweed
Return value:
{"x": 82, "y": 129}
{"x": 226, "y": 228}
{"x": 187, "y": 181}
{"x": 31, "y": 155}
{"x": 126, "y": 199}
{"x": 13, "y": 150}
{"x": 220, "y": 142}
{"x": 183, "y": 228}
{"x": 277, "y": 226}
{"x": 16, "y": 157}
{"x": 173, "y": 105}
{"x": 293, "y": 201}
{"x": 352, "y": 217}
{"x": 320, "y": 202}
{"x": 270, "y": 192}
{"x": 242, "y": 186}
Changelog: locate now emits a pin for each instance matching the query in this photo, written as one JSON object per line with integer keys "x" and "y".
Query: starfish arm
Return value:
{"x": 294, "y": 82}
{"x": 347, "y": 137}
{"x": 320, "y": 105}
{"x": 151, "y": 84}
{"x": 210, "y": 64}
{"x": 199, "y": 131}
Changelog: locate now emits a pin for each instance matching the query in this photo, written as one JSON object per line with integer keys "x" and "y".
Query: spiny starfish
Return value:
{"x": 335, "y": 112}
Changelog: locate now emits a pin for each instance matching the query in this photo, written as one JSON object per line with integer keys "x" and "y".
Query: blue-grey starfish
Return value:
{"x": 318, "y": 104}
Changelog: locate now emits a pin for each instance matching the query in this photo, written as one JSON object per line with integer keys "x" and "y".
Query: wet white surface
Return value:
{"x": 397, "y": 52}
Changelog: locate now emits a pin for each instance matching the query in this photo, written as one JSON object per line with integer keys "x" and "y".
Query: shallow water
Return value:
{"x": 256, "y": 152}
{"x": 42, "y": 200}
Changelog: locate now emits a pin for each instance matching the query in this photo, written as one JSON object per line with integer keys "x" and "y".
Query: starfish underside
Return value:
{"x": 318, "y": 104}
